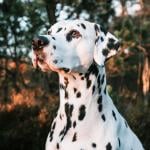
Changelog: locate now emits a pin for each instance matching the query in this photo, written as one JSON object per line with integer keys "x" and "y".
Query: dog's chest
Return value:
{"x": 88, "y": 134}
{"x": 84, "y": 114}
{"x": 79, "y": 128}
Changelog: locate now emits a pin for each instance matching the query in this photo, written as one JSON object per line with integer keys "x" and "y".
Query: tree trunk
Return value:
{"x": 51, "y": 9}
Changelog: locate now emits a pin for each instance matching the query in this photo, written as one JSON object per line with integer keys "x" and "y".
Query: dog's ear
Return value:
{"x": 106, "y": 45}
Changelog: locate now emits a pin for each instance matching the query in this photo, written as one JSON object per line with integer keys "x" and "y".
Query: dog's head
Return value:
{"x": 72, "y": 46}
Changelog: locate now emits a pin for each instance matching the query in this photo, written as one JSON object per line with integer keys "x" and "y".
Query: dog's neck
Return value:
{"x": 82, "y": 97}
{"x": 82, "y": 89}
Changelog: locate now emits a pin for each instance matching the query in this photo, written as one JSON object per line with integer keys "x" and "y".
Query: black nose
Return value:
{"x": 39, "y": 42}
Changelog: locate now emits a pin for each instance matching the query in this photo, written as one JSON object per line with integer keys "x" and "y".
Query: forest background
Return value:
{"x": 29, "y": 97}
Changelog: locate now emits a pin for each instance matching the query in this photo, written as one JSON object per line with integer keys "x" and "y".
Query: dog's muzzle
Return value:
{"x": 39, "y": 43}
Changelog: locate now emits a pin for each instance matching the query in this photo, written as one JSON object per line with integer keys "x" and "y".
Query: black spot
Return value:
{"x": 59, "y": 29}
{"x": 52, "y": 131}
{"x": 88, "y": 81}
{"x": 94, "y": 145}
{"x": 83, "y": 26}
{"x": 74, "y": 137}
{"x": 75, "y": 90}
{"x": 99, "y": 89}
{"x": 105, "y": 90}
{"x": 117, "y": 45}
{"x": 96, "y": 28}
{"x": 61, "y": 86}
{"x": 51, "y": 135}
{"x": 78, "y": 95}
{"x": 66, "y": 82}
{"x": 100, "y": 106}
{"x": 62, "y": 131}
{"x": 110, "y": 45}
{"x": 78, "y": 25}
{"x": 53, "y": 127}
{"x": 102, "y": 39}
{"x": 119, "y": 142}
{"x": 105, "y": 52}
{"x": 57, "y": 145}
{"x": 74, "y": 124}
{"x": 96, "y": 39}
{"x": 93, "y": 89}
{"x": 103, "y": 30}
{"x": 114, "y": 115}
{"x": 111, "y": 40}
{"x": 102, "y": 79}
{"x": 108, "y": 146}
{"x": 69, "y": 37}
{"x": 49, "y": 32}
{"x": 88, "y": 84}
{"x": 66, "y": 70}
{"x": 93, "y": 69}
{"x": 82, "y": 78}
{"x": 98, "y": 81}
{"x": 54, "y": 47}
{"x": 99, "y": 101}
{"x": 82, "y": 112}
{"x": 60, "y": 117}
{"x": 53, "y": 38}
{"x": 103, "y": 117}
{"x": 55, "y": 61}
{"x": 68, "y": 111}
{"x": 80, "y": 74}
{"x": 98, "y": 78}
{"x": 66, "y": 94}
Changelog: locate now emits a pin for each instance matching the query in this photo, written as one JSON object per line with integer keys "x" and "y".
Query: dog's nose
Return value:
{"x": 39, "y": 42}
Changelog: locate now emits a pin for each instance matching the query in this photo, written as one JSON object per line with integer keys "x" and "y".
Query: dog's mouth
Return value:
{"x": 38, "y": 58}
{"x": 40, "y": 62}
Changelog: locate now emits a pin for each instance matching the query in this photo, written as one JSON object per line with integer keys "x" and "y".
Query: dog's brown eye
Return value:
{"x": 75, "y": 34}
{"x": 72, "y": 34}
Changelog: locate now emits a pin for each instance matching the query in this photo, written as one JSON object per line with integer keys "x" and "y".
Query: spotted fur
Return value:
{"x": 87, "y": 118}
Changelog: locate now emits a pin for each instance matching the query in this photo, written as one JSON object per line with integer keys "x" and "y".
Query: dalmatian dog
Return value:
{"x": 87, "y": 118}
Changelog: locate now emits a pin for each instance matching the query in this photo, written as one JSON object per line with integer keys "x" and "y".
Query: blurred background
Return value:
{"x": 29, "y": 97}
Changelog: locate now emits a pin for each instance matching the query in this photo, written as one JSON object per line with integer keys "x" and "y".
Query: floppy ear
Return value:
{"x": 106, "y": 45}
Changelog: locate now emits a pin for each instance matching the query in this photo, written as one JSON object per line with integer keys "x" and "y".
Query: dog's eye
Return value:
{"x": 75, "y": 34}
